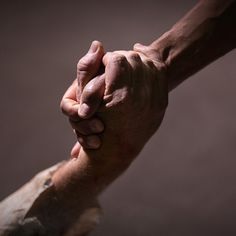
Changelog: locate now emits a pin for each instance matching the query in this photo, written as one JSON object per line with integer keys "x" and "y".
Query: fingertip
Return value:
{"x": 96, "y": 126}
{"x": 90, "y": 142}
{"x": 97, "y": 42}
{"x": 87, "y": 126}
{"x": 89, "y": 65}
{"x": 95, "y": 47}
{"x": 106, "y": 58}
{"x": 93, "y": 142}
{"x": 75, "y": 150}
{"x": 84, "y": 110}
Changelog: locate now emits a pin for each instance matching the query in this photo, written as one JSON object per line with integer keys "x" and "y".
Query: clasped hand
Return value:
{"x": 117, "y": 101}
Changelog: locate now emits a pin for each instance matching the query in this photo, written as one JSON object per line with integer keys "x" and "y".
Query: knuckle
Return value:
{"x": 84, "y": 65}
{"x": 119, "y": 59}
{"x": 89, "y": 96}
{"x": 67, "y": 109}
{"x": 134, "y": 56}
{"x": 81, "y": 127}
{"x": 149, "y": 62}
{"x": 81, "y": 140}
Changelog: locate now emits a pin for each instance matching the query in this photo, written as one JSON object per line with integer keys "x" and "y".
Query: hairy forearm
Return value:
{"x": 204, "y": 34}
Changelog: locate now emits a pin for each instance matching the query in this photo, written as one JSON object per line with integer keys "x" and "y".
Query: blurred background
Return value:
{"x": 183, "y": 182}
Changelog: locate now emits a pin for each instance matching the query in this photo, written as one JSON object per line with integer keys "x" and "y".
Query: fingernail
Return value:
{"x": 93, "y": 48}
{"x": 83, "y": 110}
{"x": 96, "y": 126}
{"x": 93, "y": 142}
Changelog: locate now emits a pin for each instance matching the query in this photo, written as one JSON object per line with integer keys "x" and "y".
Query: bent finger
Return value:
{"x": 92, "y": 96}
{"x": 88, "y": 126}
{"x": 117, "y": 72}
{"x": 69, "y": 104}
{"x": 89, "y": 142}
{"x": 89, "y": 65}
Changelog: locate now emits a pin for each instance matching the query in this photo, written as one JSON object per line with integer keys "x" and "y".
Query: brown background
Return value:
{"x": 183, "y": 183}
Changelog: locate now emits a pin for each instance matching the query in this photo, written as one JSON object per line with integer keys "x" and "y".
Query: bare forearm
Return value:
{"x": 61, "y": 200}
{"x": 38, "y": 208}
{"x": 93, "y": 170}
{"x": 206, "y": 33}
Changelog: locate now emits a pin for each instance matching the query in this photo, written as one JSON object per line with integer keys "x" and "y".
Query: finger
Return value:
{"x": 138, "y": 47}
{"x": 139, "y": 85}
{"x": 88, "y": 126}
{"x": 117, "y": 72}
{"x": 148, "y": 51}
{"x": 135, "y": 61}
{"x": 69, "y": 104}
{"x": 89, "y": 142}
{"x": 92, "y": 96}
{"x": 75, "y": 150}
{"x": 88, "y": 66}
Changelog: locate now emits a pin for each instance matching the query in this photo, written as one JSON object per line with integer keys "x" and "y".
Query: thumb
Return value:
{"x": 89, "y": 65}
{"x": 92, "y": 96}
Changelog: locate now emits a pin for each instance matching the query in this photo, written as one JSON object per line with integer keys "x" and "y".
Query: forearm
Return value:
{"x": 206, "y": 33}
{"x": 38, "y": 208}
{"x": 93, "y": 170}
{"x": 61, "y": 200}
{"x": 64, "y": 201}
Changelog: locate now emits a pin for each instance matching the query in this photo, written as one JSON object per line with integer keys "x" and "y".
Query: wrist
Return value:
{"x": 94, "y": 169}
{"x": 159, "y": 53}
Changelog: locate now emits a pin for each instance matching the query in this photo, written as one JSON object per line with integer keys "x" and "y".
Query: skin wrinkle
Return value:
{"x": 81, "y": 180}
{"x": 116, "y": 61}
